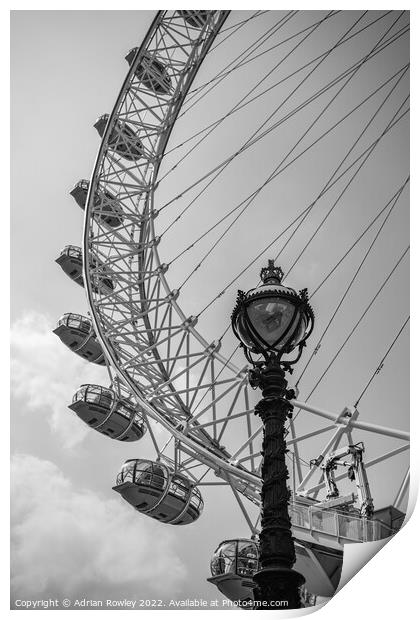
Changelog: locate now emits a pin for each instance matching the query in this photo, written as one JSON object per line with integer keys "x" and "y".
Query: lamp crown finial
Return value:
{"x": 271, "y": 274}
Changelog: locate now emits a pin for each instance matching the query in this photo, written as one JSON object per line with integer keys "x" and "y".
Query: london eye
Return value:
{"x": 237, "y": 138}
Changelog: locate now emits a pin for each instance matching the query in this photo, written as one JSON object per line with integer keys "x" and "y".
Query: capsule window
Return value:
{"x": 247, "y": 559}
{"x": 126, "y": 472}
{"x": 80, "y": 395}
{"x": 151, "y": 475}
{"x": 179, "y": 487}
{"x": 124, "y": 411}
{"x": 177, "y": 491}
{"x": 228, "y": 556}
{"x": 196, "y": 500}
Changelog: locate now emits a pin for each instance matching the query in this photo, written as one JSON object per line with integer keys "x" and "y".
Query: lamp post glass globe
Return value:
{"x": 272, "y": 319}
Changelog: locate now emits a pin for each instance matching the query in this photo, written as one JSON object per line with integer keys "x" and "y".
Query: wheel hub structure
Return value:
{"x": 155, "y": 353}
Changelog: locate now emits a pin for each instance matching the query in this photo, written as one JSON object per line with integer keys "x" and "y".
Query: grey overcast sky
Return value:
{"x": 70, "y": 535}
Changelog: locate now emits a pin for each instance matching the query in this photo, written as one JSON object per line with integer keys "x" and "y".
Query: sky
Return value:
{"x": 64, "y": 513}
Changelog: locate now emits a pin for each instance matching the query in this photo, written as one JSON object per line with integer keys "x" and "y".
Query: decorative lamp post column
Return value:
{"x": 271, "y": 321}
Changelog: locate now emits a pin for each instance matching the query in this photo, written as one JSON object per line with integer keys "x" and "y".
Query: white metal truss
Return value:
{"x": 157, "y": 352}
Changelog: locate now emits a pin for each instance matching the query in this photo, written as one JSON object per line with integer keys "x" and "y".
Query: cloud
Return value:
{"x": 45, "y": 374}
{"x": 70, "y": 542}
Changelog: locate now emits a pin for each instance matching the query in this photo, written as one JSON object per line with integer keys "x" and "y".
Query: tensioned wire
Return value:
{"x": 256, "y": 44}
{"x": 326, "y": 278}
{"x": 350, "y": 285}
{"x": 330, "y": 211}
{"x": 395, "y": 198}
{"x": 350, "y": 249}
{"x": 242, "y": 23}
{"x": 250, "y": 139}
{"x": 251, "y": 263}
{"x": 271, "y": 31}
{"x": 289, "y": 226}
{"x": 326, "y": 187}
{"x": 270, "y": 49}
{"x": 212, "y": 248}
{"x": 321, "y": 284}
{"x": 249, "y": 144}
{"x": 269, "y": 244}
{"x": 356, "y": 325}
{"x": 227, "y": 71}
{"x": 239, "y": 106}
{"x": 216, "y": 124}
{"x": 273, "y": 174}
{"x": 227, "y": 215}
{"x": 254, "y": 196}
{"x": 364, "y": 313}
{"x": 236, "y": 27}
{"x": 381, "y": 363}
{"x": 246, "y": 201}
{"x": 365, "y": 128}
{"x": 310, "y": 146}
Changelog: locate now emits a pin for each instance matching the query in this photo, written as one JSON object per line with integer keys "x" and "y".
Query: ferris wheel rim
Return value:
{"x": 217, "y": 462}
{"x": 110, "y": 354}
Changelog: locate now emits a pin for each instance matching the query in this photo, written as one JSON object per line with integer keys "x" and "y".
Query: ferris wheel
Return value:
{"x": 172, "y": 385}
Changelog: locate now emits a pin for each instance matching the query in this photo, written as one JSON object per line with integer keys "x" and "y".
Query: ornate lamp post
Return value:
{"x": 271, "y": 321}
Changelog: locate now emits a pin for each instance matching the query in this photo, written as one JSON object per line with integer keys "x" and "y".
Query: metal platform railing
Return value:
{"x": 345, "y": 527}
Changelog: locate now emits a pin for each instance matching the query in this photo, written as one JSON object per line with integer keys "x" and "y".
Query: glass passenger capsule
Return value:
{"x": 107, "y": 207}
{"x": 232, "y": 567}
{"x": 122, "y": 139}
{"x": 235, "y": 562}
{"x": 76, "y": 332}
{"x": 71, "y": 262}
{"x": 196, "y": 18}
{"x": 151, "y": 72}
{"x": 102, "y": 409}
{"x": 157, "y": 491}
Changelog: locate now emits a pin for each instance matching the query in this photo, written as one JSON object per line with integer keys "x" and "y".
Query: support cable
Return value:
{"x": 273, "y": 174}
{"x": 331, "y": 178}
{"x": 250, "y": 196}
{"x": 366, "y": 310}
{"x": 270, "y": 49}
{"x": 301, "y": 214}
{"x": 300, "y": 107}
{"x": 319, "y": 227}
{"x": 367, "y": 228}
{"x": 349, "y": 286}
{"x": 249, "y": 140}
{"x": 260, "y": 41}
{"x": 381, "y": 363}
{"x": 240, "y": 107}
{"x": 237, "y": 26}
{"x": 357, "y": 241}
